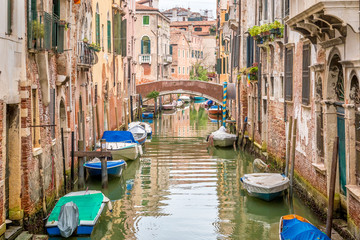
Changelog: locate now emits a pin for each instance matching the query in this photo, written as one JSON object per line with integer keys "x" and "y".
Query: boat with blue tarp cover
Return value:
{"x": 294, "y": 227}
{"x": 89, "y": 206}
{"x": 147, "y": 115}
{"x": 114, "y": 167}
{"x": 122, "y": 145}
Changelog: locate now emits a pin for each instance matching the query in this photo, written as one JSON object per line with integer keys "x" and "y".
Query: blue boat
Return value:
{"x": 147, "y": 115}
{"x": 199, "y": 98}
{"x": 266, "y": 186}
{"x": 114, "y": 168}
{"x": 294, "y": 227}
{"x": 90, "y": 205}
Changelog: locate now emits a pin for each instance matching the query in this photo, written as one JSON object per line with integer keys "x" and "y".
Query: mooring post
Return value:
{"x": 104, "y": 175}
{"x": 293, "y": 158}
{"x": 332, "y": 187}
{"x": 288, "y": 148}
{"x": 125, "y": 116}
{"x": 155, "y": 106}
{"x": 131, "y": 109}
{"x": 63, "y": 155}
{"x": 72, "y": 160}
{"x": 140, "y": 108}
{"x": 81, "y": 147}
{"x": 224, "y": 103}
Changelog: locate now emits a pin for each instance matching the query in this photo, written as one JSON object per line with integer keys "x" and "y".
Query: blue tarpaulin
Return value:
{"x": 295, "y": 229}
{"x": 97, "y": 165}
{"x": 119, "y": 136}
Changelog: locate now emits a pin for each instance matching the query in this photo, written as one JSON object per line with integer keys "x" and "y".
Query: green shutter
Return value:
{"x": 146, "y": 20}
{"x": 97, "y": 22}
{"x": 47, "y": 30}
{"x": 123, "y": 37}
{"x": 60, "y": 38}
{"x": 142, "y": 46}
{"x": 171, "y": 49}
{"x": 9, "y": 17}
{"x": 109, "y": 35}
{"x": 33, "y": 10}
{"x": 226, "y": 17}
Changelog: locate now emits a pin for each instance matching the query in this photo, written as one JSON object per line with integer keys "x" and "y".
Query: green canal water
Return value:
{"x": 181, "y": 189}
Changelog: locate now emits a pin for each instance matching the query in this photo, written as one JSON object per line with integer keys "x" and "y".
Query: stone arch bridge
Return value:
{"x": 213, "y": 91}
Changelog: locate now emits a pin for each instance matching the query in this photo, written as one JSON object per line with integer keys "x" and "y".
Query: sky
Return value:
{"x": 195, "y": 5}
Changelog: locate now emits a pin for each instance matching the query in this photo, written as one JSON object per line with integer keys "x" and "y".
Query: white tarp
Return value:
{"x": 68, "y": 219}
{"x": 265, "y": 182}
{"x": 221, "y": 134}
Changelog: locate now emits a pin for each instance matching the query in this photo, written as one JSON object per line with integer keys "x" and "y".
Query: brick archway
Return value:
{"x": 211, "y": 91}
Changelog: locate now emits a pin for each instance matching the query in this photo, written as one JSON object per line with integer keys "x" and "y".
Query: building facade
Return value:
{"x": 180, "y": 50}
{"x": 152, "y": 44}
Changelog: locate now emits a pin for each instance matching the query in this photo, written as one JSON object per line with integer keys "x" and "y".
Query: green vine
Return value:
{"x": 153, "y": 95}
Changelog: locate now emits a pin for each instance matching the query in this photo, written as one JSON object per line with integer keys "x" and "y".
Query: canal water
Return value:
{"x": 181, "y": 189}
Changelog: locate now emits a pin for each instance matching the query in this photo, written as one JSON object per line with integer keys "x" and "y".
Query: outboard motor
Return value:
{"x": 68, "y": 219}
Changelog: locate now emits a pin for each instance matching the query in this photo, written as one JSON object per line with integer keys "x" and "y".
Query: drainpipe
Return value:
{"x": 70, "y": 87}
{"x": 238, "y": 67}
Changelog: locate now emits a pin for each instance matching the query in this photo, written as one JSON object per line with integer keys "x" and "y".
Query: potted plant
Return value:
{"x": 277, "y": 28}
{"x": 85, "y": 40}
{"x": 95, "y": 47}
{"x": 252, "y": 72}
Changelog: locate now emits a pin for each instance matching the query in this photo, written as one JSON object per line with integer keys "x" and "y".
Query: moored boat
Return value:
{"x": 221, "y": 138}
{"x": 122, "y": 145}
{"x": 147, "y": 127}
{"x": 186, "y": 99}
{"x": 139, "y": 133}
{"x": 179, "y": 103}
{"x": 215, "y": 110}
{"x": 147, "y": 115}
{"x": 76, "y": 211}
{"x": 114, "y": 167}
{"x": 169, "y": 106}
{"x": 294, "y": 227}
{"x": 266, "y": 186}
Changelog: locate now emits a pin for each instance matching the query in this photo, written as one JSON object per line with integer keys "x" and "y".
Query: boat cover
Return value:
{"x": 68, "y": 219}
{"x": 138, "y": 132}
{"x": 118, "y": 136}
{"x": 215, "y": 107}
{"x": 110, "y": 164}
{"x": 265, "y": 182}
{"x": 221, "y": 134}
{"x": 88, "y": 206}
{"x": 144, "y": 125}
{"x": 295, "y": 229}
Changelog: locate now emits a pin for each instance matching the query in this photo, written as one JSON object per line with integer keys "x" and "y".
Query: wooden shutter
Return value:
{"x": 9, "y": 16}
{"x": 226, "y": 17}
{"x": 171, "y": 49}
{"x": 47, "y": 30}
{"x": 289, "y": 74}
{"x": 97, "y": 26}
{"x": 218, "y": 66}
{"x": 123, "y": 37}
{"x": 52, "y": 112}
{"x": 117, "y": 33}
{"x": 146, "y": 20}
{"x": 306, "y": 74}
{"x": 33, "y": 9}
{"x": 109, "y": 35}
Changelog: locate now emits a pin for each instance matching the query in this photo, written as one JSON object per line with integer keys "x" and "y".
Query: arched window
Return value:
{"x": 145, "y": 45}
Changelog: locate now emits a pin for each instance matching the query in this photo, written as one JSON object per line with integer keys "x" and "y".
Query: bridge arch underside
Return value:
{"x": 208, "y": 90}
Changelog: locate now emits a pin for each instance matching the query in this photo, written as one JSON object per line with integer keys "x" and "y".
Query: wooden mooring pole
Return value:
{"x": 332, "y": 187}
{"x": 288, "y": 148}
{"x": 104, "y": 175}
{"x": 293, "y": 147}
{"x": 63, "y": 155}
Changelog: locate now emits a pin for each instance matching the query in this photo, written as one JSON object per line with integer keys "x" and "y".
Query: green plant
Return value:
{"x": 265, "y": 28}
{"x": 95, "y": 47}
{"x": 254, "y": 31}
{"x": 37, "y": 29}
{"x": 153, "y": 95}
{"x": 198, "y": 72}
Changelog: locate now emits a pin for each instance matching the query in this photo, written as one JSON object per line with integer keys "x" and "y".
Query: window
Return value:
{"x": 146, "y": 20}
{"x": 289, "y": 74}
{"x": 97, "y": 28}
{"x": 265, "y": 9}
{"x": 202, "y": 54}
{"x": 272, "y": 86}
{"x": 183, "y": 53}
{"x": 226, "y": 17}
{"x": 179, "y": 70}
{"x": 124, "y": 38}
{"x": 183, "y": 70}
{"x": 192, "y": 53}
{"x": 187, "y": 70}
{"x": 287, "y": 7}
{"x": 171, "y": 49}
{"x": 281, "y": 94}
{"x": 109, "y": 35}
{"x": 306, "y": 74}
{"x": 117, "y": 33}
{"x": 198, "y": 29}
{"x": 145, "y": 45}
{"x": 9, "y": 17}
{"x": 35, "y": 118}
{"x": 172, "y": 70}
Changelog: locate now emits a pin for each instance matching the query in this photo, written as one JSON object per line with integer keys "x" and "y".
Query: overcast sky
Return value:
{"x": 195, "y": 5}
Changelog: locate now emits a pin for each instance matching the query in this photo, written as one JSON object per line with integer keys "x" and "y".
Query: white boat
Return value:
{"x": 139, "y": 133}
{"x": 186, "y": 99}
{"x": 266, "y": 186}
{"x": 179, "y": 103}
{"x": 221, "y": 138}
{"x": 145, "y": 125}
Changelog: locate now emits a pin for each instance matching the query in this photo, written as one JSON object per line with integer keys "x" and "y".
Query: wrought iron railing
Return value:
{"x": 86, "y": 55}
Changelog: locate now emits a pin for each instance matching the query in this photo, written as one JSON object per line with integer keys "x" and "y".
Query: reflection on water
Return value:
{"x": 180, "y": 189}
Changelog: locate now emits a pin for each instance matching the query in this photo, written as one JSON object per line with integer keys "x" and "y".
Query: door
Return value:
{"x": 342, "y": 154}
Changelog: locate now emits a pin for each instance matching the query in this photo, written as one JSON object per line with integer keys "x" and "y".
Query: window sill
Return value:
{"x": 320, "y": 168}
{"x": 289, "y": 102}
{"x": 306, "y": 106}
{"x": 354, "y": 190}
{"x": 37, "y": 151}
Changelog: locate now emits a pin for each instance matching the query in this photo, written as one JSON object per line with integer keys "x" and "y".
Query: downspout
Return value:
{"x": 239, "y": 35}
{"x": 70, "y": 87}
{"x": 285, "y": 58}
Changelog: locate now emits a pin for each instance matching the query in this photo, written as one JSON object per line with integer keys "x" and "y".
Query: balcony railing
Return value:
{"x": 145, "y": 58}
{"x": 168, "y": 59}
{"x": 86, "y": 56}
{"x": 45, "y": 31}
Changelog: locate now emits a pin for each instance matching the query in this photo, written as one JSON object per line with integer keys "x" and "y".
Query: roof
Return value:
{"x": 195, "y": 23}
{"x": 145, "y": 8}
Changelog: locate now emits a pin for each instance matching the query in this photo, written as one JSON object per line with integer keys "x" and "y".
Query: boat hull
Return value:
{"x": 168, "y": 107}
{"x": 81, "y": 230}
{"x": 266, "y": 196}
{"x": 130, "y": 153}
{"x": 148, "y": 115}
{"x": 224, "y": 143}
{"x": 115, "y": 171}
{"x": 214, "y": 112}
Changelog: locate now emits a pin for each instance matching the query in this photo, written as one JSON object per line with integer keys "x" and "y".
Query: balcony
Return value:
{"x": 45, "y": 31}
{"x": 145, "y": 59}
{"x": 86, "y": 56}
{"x": 167, "y": 59}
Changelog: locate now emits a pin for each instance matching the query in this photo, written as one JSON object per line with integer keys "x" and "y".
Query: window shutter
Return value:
{"x": 149, "y": 51}
{"x": 171, "y": 49}
{"x": 226, "y": 17}
{"x": 142, "y": 46}
{"x": 146, "y": 20}
{"x": 9, "y": 17}
{"x": 33, "y": 9}
{"x": 47, "y": 30}
{"x": 306, "y": 74}
{"x": 117, "y": 33}
{"x": 60, "y": 38}
{"x": 248, "y": 51}
{"x": 289, "y": 74}
{"x": 123, "y": 37}
{"x": 218, "y": 66}
{"x": 97, "y": 23}
{"x": 109, "y": 35}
